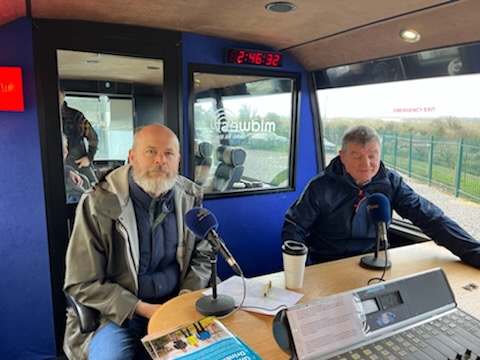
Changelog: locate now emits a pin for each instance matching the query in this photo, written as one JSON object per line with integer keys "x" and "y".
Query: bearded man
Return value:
{"x": 130, "y": 251}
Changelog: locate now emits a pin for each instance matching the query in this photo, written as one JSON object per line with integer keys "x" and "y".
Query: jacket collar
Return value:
{"x": 117, "y": 198}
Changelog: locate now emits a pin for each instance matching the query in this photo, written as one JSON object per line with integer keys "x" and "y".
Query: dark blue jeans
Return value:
{"x": 113, "y": 342}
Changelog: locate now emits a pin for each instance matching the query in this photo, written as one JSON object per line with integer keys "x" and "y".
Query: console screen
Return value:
{"x": 390, "y": 300}
{"x": 370, "y": 306}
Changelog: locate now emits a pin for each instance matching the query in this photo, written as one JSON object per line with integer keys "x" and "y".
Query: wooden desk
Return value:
{"x": 326, "y": 279}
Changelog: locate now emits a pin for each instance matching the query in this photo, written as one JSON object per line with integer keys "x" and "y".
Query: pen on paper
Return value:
{"x": 267, "y": 288}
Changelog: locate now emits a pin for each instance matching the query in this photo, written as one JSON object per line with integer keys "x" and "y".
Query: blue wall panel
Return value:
{"x": 251, "y": 225}
{"x": 25, "y": 301}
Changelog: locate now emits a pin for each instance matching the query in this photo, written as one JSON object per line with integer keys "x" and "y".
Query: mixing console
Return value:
{"x": 453, "y": 336}
{"x": 415, "y": 317}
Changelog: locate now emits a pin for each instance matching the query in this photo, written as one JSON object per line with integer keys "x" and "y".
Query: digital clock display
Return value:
{"x": 253, "y": 57}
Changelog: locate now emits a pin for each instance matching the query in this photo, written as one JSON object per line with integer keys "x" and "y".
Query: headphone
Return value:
{"x": 282, "y": 333}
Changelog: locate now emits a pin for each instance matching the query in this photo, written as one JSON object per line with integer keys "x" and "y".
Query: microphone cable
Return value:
{"x": 243, "y": 297}
{"x": 381, "y": 278}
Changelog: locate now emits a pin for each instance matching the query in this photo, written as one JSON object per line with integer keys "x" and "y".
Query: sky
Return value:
{"x": 456, "y": 96}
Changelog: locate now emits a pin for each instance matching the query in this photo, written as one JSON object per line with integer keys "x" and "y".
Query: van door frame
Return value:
{"x": 48, "y": 37}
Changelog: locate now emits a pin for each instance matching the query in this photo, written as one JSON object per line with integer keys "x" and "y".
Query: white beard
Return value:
{"x": 155, "y": 187}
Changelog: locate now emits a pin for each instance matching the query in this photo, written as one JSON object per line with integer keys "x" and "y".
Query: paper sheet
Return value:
{"x": 276, "y": 299}
{"x": 327, "y": 324}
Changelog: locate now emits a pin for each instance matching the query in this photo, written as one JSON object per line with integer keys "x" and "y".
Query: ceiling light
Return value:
{"x": 281, "y": 6}
{"x": 409, "y": 35}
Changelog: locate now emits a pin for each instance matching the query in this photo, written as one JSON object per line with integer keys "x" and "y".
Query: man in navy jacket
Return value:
{"x": 330, "y": 216}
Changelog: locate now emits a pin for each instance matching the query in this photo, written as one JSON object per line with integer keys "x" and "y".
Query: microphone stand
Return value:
{"x": 215, "y": 305}
{"x": 374, "y": 262}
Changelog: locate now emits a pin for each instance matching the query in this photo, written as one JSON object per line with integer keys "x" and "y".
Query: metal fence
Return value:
{"x": 449, "y": 163}
{"x": 453, "y": 164}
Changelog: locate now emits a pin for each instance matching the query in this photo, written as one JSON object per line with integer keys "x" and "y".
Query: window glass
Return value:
{"x": 115, "y": 138}
{"x": 430, "y": 134}
{"x": 365, "y": 72}
{"x": 242, "y": 131}
{"x": 103, "y": 98}
{"x": 112, "y": 139}
{"x": 453, "y": 60}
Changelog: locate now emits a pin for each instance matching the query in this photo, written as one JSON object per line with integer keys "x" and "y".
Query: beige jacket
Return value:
{"x": 102, "y": 258}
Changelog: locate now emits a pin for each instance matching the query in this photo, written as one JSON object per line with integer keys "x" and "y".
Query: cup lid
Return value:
{"x": 293, "y": 247}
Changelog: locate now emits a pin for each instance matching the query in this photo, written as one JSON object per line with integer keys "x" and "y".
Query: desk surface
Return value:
{"x": 326, "y": 279}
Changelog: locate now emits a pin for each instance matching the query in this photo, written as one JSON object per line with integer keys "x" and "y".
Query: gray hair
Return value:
{"x": 360, "y": 135}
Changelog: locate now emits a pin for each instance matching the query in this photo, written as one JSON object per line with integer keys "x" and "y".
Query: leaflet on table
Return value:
{"x": 206, "y": 339}
{"x": 327, "y": 324}
{"x": 255, "y": 301}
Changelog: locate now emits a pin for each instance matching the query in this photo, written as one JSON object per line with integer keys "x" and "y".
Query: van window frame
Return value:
{"x": 227, "y": 70}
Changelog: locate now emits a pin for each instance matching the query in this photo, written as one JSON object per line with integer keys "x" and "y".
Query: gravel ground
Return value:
{"x": 465, "y": 212}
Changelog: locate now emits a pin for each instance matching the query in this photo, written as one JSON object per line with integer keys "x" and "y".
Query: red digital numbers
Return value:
{"x": 237, "y": 56}
{"x": 276, "y": 60}
{"x": 269, "y": 60}
{"x": 240, "y": 57}
{"x": 232, "y": 56}
{"x": 250, "y": 57}
{"x": 258, "y": 58}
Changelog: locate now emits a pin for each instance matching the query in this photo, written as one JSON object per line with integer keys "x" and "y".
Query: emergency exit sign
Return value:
{"x": 11, "y": 89}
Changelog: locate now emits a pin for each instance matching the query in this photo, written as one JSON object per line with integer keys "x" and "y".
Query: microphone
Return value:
{"x": 203, "y": 224}
{"x": 379, "y": 210}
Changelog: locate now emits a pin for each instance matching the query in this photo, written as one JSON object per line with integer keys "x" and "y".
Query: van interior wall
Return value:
{"x": 26, "y": 300}
{"x": 251, "y": 225}
{"x": 253, "y": 235}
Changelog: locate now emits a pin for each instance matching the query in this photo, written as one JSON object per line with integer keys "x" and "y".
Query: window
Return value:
{"x": 242, "y": 130}
{"x": 430, "y": 134}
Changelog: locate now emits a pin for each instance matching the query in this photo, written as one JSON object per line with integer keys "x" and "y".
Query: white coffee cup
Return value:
{"x": 294, "y": 258}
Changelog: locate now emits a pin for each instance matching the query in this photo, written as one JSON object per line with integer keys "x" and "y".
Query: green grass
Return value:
{"x": 442, "y": 175}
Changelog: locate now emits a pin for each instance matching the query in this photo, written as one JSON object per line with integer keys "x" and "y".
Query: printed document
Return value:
{"x": 255, "y": 301}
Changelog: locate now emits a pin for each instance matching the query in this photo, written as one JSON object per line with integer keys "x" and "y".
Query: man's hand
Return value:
{"x": 84, "y": 161}
{"x": 77, "y": 179}
{"x": 146, "y": 309}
